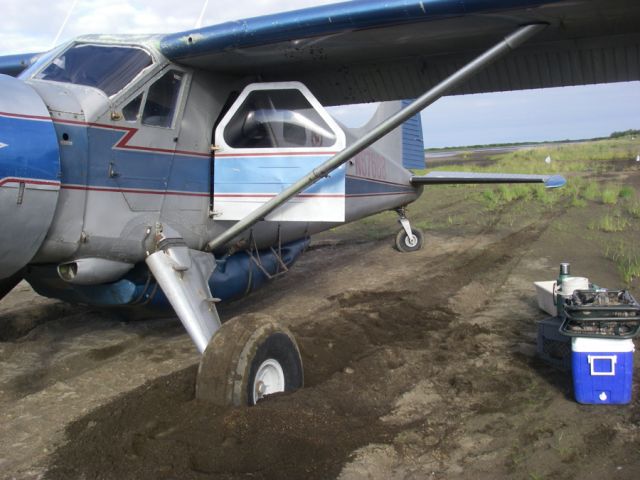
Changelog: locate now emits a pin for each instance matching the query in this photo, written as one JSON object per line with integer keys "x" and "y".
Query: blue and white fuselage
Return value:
{"x": 127, "y": 163}
{"x": 161, "y": 151}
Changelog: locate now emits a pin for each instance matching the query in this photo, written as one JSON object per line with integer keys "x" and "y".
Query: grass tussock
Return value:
{"x": 610, "y": 194}
{"x": 633, "y": 209}
{"x": 507, "y": 193}
{"x": 611, "y": 224}
{"x": 627, "y": 260}
{"x": 627, "y": 192}
{"x": 591, "y": 192}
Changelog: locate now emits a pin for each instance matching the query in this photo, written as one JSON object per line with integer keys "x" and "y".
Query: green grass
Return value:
{"x": 627, "y": 260}
{"x": 491, "y": 198}
{"x": 573, "y": 160}
{"x": 591, "y": 192}
{"x": 424, "y": 225}
{"x": 614, "y": 208}
{"x": 612, "y": 223}
{"x": 578, "y": 202}
{"x": 610, "y": 194}
{"x": 591, "y": 156}
{"x": 578, "y": 193}
{"x": 515, "y": 192}
{"x": 627, "y": 192}
{"x": 494, "y": 198}
{"x": 633, "y": 209}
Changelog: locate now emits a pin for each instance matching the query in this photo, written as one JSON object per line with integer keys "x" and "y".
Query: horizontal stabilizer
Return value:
{"x": 443, "y": 178}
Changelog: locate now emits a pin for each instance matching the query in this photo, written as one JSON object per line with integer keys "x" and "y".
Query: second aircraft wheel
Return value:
{"x": 404, "y": 243}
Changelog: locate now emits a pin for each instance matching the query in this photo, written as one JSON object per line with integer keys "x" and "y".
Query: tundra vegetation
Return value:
{"x": 600, "y": 200}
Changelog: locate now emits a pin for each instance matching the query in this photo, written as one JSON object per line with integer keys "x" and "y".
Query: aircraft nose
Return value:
{"x": 29, "y": 174}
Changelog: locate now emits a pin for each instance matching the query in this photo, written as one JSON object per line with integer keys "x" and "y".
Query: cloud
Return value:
{"x": 32, "y": 26}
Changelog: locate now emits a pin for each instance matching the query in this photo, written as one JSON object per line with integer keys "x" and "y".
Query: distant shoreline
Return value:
{"x": 499, "y": 146}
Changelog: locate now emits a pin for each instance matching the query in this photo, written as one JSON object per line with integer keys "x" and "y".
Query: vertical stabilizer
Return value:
{"x": 403, "y": 146}
{"x": 412, "y": 141}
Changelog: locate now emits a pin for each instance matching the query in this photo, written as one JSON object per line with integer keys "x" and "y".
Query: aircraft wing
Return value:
{"x": 373, "y": 50}
{"x": 443, "y": 178}
{"x": 14, "y": 64}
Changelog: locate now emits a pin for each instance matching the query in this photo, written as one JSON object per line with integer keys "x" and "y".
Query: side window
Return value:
{"x": 130, "y": 110}
{"x": 277, "y": 119}
{"x": 162, "y": 99}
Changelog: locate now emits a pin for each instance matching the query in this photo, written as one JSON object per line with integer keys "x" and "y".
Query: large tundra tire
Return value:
{"x": 248, "y": 358}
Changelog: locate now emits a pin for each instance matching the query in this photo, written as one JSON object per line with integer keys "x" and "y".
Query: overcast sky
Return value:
{"x": 552, "y": 114}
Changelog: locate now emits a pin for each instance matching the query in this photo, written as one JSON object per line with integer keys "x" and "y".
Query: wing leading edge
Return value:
{"x": 373, "y": 50}
{"x": 14, "y": 64}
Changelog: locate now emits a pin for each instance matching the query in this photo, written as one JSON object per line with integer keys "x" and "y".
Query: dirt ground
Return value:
{"x": 417, "y": 366}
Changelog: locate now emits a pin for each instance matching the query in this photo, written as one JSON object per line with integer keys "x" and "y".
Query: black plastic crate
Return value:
{"x": 553, "y": 347}
{"x": 601, "y": 314}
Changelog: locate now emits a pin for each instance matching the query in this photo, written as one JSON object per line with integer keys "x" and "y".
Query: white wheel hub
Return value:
{"x": 411, "y": 240}
{"x": 269, "y": 379}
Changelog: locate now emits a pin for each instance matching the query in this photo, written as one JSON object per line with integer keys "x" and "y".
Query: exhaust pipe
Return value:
{"x": 92, "y": 271}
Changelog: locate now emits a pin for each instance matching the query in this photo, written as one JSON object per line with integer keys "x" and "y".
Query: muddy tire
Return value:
{"x": 404, "y": 244}
{"x": 249, "y": 357}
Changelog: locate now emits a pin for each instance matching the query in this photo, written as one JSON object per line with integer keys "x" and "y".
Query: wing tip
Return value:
{"x": 555, "y": 181}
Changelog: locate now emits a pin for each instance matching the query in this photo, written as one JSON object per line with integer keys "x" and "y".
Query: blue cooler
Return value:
{"x": 602, "y": 369}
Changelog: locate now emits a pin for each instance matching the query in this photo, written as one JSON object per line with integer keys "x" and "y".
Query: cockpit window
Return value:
{"x": 109, "y": 68}
{"x": 162, "y": 100}
{"x": 131, "y": 109}
{"x": 277, "y": 119}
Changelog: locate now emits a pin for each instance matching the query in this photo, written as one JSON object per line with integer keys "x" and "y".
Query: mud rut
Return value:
{"x": 387, "y": 368}
{"x": 415, "y": 368}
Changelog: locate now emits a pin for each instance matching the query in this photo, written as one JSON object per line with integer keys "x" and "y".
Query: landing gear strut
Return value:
{"x": 408, "y": 239}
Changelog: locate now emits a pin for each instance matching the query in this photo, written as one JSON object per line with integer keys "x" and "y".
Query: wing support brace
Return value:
{"x": 502, "y": 48}
{"x": 183, "y": 275}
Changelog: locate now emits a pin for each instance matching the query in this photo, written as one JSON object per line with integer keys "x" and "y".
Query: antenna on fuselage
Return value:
{"x": 204, "y": 8}
{"x": 64, "y": 24}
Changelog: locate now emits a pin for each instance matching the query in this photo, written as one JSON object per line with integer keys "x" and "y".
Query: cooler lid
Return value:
{"x": 583, "y": 344}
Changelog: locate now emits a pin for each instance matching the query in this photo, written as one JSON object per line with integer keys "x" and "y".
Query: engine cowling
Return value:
{"x": 29, "y": 174}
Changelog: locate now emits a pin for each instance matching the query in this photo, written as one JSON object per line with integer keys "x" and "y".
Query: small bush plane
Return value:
{"x": 188, "y": 168}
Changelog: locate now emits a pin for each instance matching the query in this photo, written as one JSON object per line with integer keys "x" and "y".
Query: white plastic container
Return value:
{"x": 570, "y": 284}
{"x": 545, "y": 292}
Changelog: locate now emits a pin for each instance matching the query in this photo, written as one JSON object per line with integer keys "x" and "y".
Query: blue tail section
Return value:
{"x": 412, "y": 142}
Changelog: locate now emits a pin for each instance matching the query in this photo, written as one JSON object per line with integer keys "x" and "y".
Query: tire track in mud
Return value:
{"x": 361, "y": 355}
{"x": 19, "y": 322}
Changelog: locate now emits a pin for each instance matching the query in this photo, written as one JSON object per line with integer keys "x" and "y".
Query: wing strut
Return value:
{"x": 505, "y": 46}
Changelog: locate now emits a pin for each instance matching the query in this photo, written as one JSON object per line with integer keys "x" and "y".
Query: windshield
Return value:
{"x": 107, "y": 67}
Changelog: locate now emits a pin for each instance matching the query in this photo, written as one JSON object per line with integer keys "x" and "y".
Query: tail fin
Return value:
{"x": 412, "y": 141}
{"x": 404, "y": 146}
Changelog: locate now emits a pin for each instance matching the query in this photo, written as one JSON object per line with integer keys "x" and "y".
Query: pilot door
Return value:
{"x": 148, "y": 128}
{"x": 274, "y": 134}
